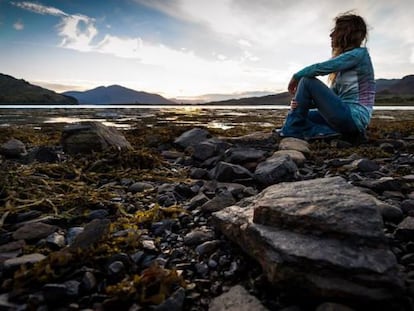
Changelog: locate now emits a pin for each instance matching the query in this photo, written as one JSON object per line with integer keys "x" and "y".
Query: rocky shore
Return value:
{"x": 194, "y": 218}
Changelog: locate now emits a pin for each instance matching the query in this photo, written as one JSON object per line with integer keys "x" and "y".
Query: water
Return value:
{"x": 132, "y": 116}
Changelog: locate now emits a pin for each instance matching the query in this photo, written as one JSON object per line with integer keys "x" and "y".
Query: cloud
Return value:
{"x": 77, "y": 32}
{"x": 18, "y": 25}
{"x": 39, "y": 8}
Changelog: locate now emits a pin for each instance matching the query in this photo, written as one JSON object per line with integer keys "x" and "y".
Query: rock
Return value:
{"x": 260, "y": 140}
{"x": 23, "y": 260}
{"x": 44, "y": 154}
{"x": 198, "y": 236}
{"x": 198, "y": 200}
{"x": 86, "y": 137}
{"x": 140, "y": 187}
{"x": 381, "y": 184}
{"x": 56, "y": 240}
{"x": 192, "y": 137}
{"x": 220, "y": 201}
{"x": 390, "y": 212}
{"x": 243, "y": 155}
{"x": 13, "y": 148}
{"x": 33, "y": 231}
{"x": 365, "y": 165}
{"x": 228, "y": 172}
{"x": 387, "y": 147}
{"x": 296, "y": 156}
{"x": 207, "y": 149}
{"x": 207, "y": 248}
{"x": 92, "y": 233}
{"x": 173, "y": 303}
{"x": 408, "y": 206}
{"x": 330, "y": 306}
{"x": 321, "y": 236}
{"x": 405, "y": 229}
{"x": 328, "y": 205}
{"x": 72, "y": 233}
{"x": 291, "y": 143}
{"x": 275, "y": 170}
{"x": 198, "y": 173}
{"x": 236, "y": 299}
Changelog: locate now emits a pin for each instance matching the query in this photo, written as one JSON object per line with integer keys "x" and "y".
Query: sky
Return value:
{"x": 190, "y": 48}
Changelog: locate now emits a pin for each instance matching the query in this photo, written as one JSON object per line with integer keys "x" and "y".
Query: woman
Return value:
{"x": 346, "y": 107}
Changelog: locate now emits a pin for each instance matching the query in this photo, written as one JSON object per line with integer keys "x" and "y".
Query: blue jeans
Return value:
{"x": 320, "y": 112}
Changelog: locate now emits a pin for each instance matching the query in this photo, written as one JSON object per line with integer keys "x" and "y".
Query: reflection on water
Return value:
{"x": 129, "y": 117}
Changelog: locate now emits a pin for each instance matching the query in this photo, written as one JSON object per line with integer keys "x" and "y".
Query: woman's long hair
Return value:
{"x": 350, "y": 32}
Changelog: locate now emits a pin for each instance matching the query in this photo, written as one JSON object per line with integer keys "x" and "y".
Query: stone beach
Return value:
{"x": 174, "y": 213}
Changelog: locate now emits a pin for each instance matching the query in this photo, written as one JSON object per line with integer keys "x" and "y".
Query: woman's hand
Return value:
{"x": 293, "y": 84}
{"x": 293, "y": 104}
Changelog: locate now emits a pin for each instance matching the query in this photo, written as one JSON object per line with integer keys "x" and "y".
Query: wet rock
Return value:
{"x": 33, "y": 231}
{"x": 228, "y": 172}
{"x": 97, "y": 214}
{"x": 192, "y": 137}
{"x": 275, "y": 170}
{"x": 86, "y": 137}
{"x": 13, "y": 148}
{"x": 381, "y": 184}
{"x": 323, "y": 235}
{"x": 236, "y": 299}
{"x": 116, "y": 271}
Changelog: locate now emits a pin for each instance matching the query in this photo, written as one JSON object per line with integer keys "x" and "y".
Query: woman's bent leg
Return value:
{"x": 312, "y": 93}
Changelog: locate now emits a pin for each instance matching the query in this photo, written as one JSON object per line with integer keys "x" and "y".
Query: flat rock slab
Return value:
{"x": 327, "y": 205}
{"x": 319, "y": 239}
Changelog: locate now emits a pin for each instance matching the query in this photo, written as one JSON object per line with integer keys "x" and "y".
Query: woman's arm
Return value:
{"x": 342, "y": 62}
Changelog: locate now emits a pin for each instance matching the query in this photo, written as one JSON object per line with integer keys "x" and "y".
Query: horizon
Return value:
{"x": 190, "y": 49}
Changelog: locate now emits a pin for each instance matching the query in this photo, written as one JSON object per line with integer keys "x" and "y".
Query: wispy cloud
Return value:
{"x": 39, "y": 8}
{"x": 18, "y": 25}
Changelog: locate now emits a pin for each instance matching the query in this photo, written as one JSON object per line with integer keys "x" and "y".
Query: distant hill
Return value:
{"x": 389, "y": 92}
{"x": 116, "y": 94}
{"x": 404, "y": 86}
{"x": 276, "y": 99}
{"x": 15, "y": 91}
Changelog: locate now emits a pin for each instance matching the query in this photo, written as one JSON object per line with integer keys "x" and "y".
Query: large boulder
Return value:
{"x": 86, "y": 137}
{"x": 323, "y": 237}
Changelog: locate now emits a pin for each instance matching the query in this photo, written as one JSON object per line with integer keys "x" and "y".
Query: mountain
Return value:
{"x": 15, "y": 91}
{"x": 276, "y": 99}
{"x": 404, "y": 86}
{"x": 116, "y": 94}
